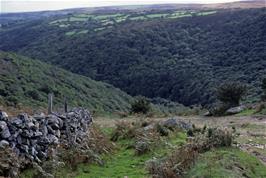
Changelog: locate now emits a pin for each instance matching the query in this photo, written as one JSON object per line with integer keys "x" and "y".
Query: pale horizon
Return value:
{"x": 9, "y": 6}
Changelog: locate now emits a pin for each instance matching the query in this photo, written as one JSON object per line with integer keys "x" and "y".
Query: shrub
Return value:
{"x": 9, "y": 163}
{"x": 33, "y": 94}
{"x": 142, "y": 147}
{"x": 162, "y": 130}
{"x": 141, "y": 105}
{"x": 230, "y": 93}
{"x": 176, "y": 164}
{"x": 123, "y": 130}
{"x": 12, "y": 101}
{"x": 219, "y": 109}
{"x": 261, "y": 108}
{"x": 190, "y": 133}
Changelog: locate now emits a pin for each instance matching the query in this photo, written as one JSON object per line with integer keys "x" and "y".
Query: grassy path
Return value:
{"x": 124, "y": 162}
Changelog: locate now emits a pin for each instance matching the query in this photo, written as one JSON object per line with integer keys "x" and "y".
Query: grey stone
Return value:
{"x": 30, "y": 125}
{"x": 25, "y": 148}
{"x": 24, "y": 117}
{"x": 38, "y": 134}
{"x": 184, "y": 125}
{"x": 4, "y": 144}
{"x": 4, "y": 131}
{"x": 3, "y": 116}
{"x": 53, "y": 139}
{"x": 31, "y": 137}
{"x": 208, "y": 113}
{"x": 170, "y": 123}
{"x": 16, "y": 122}
{"x": 235, "y": 110}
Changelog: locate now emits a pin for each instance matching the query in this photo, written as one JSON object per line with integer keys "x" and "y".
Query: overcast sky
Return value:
{"x": 38, "y": 5}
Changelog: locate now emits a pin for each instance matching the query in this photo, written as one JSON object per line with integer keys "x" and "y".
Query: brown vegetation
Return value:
{"x": 176, "y": 164}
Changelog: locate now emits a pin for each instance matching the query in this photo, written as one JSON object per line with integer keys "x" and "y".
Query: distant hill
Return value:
{"x": 27, "y": 82}
{"x": 246, "y": 4}
{"x": 181, "y": 55}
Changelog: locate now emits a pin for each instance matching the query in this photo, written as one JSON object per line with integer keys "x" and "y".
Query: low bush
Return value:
{"x": 141, "y": 105}
{"x": 9, "y": 163}
{"x": 260, "y": 108}
{"x": 219, "y": 109}
{"x": 176, "y": 164}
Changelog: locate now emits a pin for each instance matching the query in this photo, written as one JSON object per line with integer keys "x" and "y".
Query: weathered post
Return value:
{"x": 65, "y": 104}
{"x": 50, "y": 103}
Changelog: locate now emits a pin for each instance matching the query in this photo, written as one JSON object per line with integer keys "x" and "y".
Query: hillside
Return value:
{"x": 27, "y": 82}
{"x": 177, "y": 55}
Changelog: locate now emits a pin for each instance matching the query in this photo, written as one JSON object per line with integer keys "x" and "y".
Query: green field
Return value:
{"x": 111, "y": 19}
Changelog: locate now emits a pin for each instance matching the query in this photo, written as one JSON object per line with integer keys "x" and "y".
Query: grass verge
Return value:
{"x": 227, "y": 162}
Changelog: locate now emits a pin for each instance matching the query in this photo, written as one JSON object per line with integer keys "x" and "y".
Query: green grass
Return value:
{"x": 206, "y": 13}
{"x": 84, "y": 15}
{"x": 156, "y": 15}
{"x": 179, "y": 16}
{"x": 101, "y": 17}
{"x": 77, "y": 19}
{"x": 70, "y": 33}
{"x": 99, "y": 29}
{"x": 64, "y": 25}
{"x": 82, "y": 32}
{"x": 227, "y": 162}
{"x": 106, "y": 19}
{"x": 121, "y": 18}
{"x": 59, "y": 21}
{"x": 124, "y": 162}
{"x": 138, "y": 18}
{"x": 246, "y": 112}
{"x": 74, "y": 32}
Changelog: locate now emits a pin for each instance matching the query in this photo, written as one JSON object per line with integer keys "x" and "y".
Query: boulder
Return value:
{"x": 235, "y": 110}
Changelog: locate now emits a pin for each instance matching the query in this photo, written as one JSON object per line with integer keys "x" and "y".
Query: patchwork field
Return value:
{"x": 104, "y": 21}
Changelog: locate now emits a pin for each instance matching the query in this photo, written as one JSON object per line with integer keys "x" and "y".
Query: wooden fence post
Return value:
{"x": 50, "y": 103}
{"x": 65, "y": 104}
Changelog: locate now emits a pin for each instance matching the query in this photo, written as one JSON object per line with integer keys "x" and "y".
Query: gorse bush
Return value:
{"x": 141, "y": 105}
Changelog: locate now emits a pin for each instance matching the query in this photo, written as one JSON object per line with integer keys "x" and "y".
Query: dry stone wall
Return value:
{"x": 33, "y": 137}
